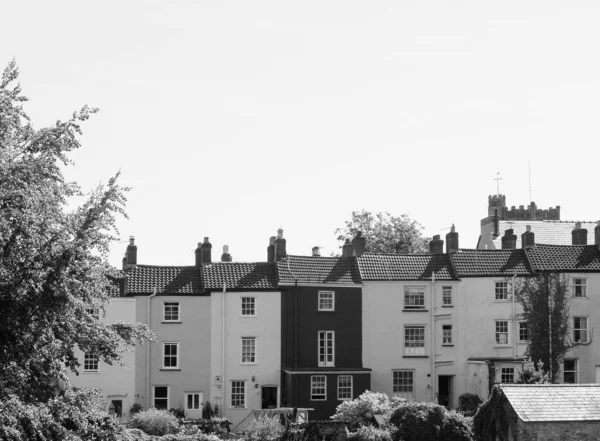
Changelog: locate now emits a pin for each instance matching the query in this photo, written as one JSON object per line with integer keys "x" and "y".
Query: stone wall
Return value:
{"x": 558, "y": 431}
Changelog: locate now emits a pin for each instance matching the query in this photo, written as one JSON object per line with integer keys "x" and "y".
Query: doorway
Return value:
{"x": 116, "y": 407}
{"x": 269, "y": 397}
{"x": 445, "y": 390}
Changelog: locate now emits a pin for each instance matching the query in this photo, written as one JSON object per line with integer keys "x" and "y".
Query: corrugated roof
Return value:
{"x": 175, "y": 280}
{"x": 554, "y": 402}
{"x": 547, "y": 232}
{"x": 490, "y": 263}
{"x": 240, "y": 275}
{"x": 567, "y": 258}
{"x": 318, "y": 270}
{"x": 378, "y": 266}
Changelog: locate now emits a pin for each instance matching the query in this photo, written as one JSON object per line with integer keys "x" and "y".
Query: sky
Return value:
{"x": 231, "y": 119}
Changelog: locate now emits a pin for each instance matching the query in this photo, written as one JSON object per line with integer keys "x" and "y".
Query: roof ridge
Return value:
{"x": 404, "y": 254}
{"x": 162, "y": 266}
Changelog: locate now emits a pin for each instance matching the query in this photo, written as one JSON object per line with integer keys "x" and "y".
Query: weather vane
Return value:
{"x": 497, "y": 179}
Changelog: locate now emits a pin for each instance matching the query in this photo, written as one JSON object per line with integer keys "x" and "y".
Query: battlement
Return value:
{"x": 497, "y": 203}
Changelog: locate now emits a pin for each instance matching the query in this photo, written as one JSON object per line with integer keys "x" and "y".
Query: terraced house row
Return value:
{"x": 312, "y": 331}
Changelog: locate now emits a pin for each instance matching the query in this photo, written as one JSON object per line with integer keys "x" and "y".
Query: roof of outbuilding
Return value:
{"x": 567, "y": 258}
{"x": 554, "y": 232}
{"x": 318, "y": 270}
{"x": 378, "y": 266}
{"x": 174, "y": 280}
{"x": 554, "y": 402}
{"x": 490, "y": 263}
{"x": 240, "y": 275}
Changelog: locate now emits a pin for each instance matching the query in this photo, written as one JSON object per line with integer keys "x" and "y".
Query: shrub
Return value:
{"x": 207, "y": 412}
{"x": 429, "y": 422}
{"x": 370, "y": 433}
{"x": 135, "y": 408}
{"x": 179, "y": 413}
{"x": 154, "y": 422}
{"x": 263, "y": 427}
{"x": 360, "y": 411}
{"x": 468, "y": 404}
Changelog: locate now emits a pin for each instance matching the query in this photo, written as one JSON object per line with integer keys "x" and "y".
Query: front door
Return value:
{"x": 193, "y": 405}
{"x": 445, "y": 397}
{"x": 116, "y": 406}
{"x": 269, "y": 397}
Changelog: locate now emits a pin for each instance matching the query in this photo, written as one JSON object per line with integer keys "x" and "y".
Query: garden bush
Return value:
{"x": 468, "y": 404}
{"x": 429, "y": 422}
{"x": 155, "y": 422}
{"x": 263, "y": 427}
{"x": 370, "y": 433}
{"x": 360, "y": 411}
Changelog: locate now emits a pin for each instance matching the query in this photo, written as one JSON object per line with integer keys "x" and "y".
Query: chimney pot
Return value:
{"x": 509, "y": 240}
{"x": 225, "y": 257}
{"x": 280, "y": 233}
{"x": 315, "y": 252}
{"x": 528, "y": 238}
{"x": 205, "y": 253}
{"x": 579, "y": 235}
{"x": 280, "y": 246}
{"x": 436, "y": 245}
{"x": 452, "y": 241}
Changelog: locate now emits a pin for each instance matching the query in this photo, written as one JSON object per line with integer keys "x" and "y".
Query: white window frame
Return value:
{"x": 324, "y": 301}
{"x": 579, "y": 284}
{"x": 316, "y": 385}
{"x": 164, "y": 355}
{"x": 584, "y": 331}
{"x": 447, "y": 295}
{"x": 343, "y": 390}
{"x": 507, "y": 373}
{"x": 527, "y": 340}
{"x": 238, "y": 396}
{"x": 91, "y": 359}
{"x": 575, "y": 372}
{"x": 161, "y": 398}
{"x": 248, "y": 350}
{"x": 447, "y": 336}
{"x": 403, "y": 381}
{"x": 501, "y": 287}
{"x": 414, "y": 298}
{"x": 169, "y": 305}
{"x": 248, "y": 306}
{"x": 411, "y": 349}
{"x": 193, "y": 394}
{"x": 325, "y": 341}
{"x": 498, "y": 333}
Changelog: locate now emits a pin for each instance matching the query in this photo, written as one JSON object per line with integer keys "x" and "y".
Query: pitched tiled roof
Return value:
{"x": 548, "y": 231}
{"x": 502, "y": 263}
{"x": 568, "y": 258}
{"x": 116, "y": 284}
{"x": 239, "y": 275}
{"x": 377, "y": 266}
{"x": 318, "y": 270}
{"x": 175, "y": 280}
{"x": 554, "y": 402}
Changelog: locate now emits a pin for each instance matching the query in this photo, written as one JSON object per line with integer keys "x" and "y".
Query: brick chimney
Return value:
{"x": 131, "y": 253}
{"x": 125, "y": 262}
{"x": 452, "y": 241}
{"x": 198, "y": 254}
{"x": 579, "y": 235}
{"x": 436, "y": 245}
{"x": 315, "y": 252}
{"x": 597, "y": 235}
{"x": 205, "y": 253}
{"x": 271, "y": 250}
{"x": 280, "y": 251}
{"x": 225, "y": 257}
{"x": 359, "y": 244}
{"x": 509, "y": 240}
{"x": 347, "y": 249}
{"x": 528, "y": 238}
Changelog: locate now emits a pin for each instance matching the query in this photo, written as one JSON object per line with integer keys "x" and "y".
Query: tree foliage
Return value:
{"x": 385, "y": 233}
{"x": 54, "y": 272}
{"x": 545, "y": 302}
{"x": 533, "y": 373}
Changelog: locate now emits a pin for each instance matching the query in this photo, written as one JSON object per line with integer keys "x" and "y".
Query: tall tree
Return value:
{"x": 54, "y": 271}
{"x": 385, "y": 233}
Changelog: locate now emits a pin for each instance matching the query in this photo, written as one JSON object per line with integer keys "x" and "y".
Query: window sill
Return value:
{"x": 248, "y": 364}
{"x": 318, "y": 399}
{"x": 580, "y": 297}
{"x": 325, "y": 310}
{"x": 447, "y": 306}
{"x": 170, "y": 369}
{"x": 447, "y": 345}
{"x": 503, "y": 346}
{"x": 90, "y": 372}
{"x": 415, "y": 310}
{"x": 524, "y": 342}
{"x": 248, "y": 316}
{"x": 174, "y": 322}
{"x": 415, "y": 356}
{"x": 502, "y": 301}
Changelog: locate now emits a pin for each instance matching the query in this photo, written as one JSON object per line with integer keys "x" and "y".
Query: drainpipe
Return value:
{"x": 514, "y": 319}
{"x": 432, "y": 330}
{"x": 148, "y": 351}
{"x": 223, "y": 318}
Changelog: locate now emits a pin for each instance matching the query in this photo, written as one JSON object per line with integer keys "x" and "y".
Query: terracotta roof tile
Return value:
{"x": 378, "y": 266}
{"x": 479, "y": 263}
{"x": 174, "y": 280}
{"x": 568, "y": 258}
{"x": 240, "y": 275}
{"x": 554, "y": 402}
{"x": 318, "y": 270}
{"x": 547, "y": 231}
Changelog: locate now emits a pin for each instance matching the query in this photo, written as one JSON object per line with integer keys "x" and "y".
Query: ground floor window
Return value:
{"x": 344, "y": 387}
{"x": 318, "y": 387}
{"x": 403, "y": 382}
{"x": 161, "y": 397}
{"x": 570, "y": 374}
{"x": 238, "y": 394}
{"x": 507, "y": 375}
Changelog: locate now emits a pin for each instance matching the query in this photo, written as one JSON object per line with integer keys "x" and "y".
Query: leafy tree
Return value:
{"x": 54, "y": 271}
{"x": 533, "y": 373}
{"x": 385, "y": 233}
{"x": 545, "y": 302}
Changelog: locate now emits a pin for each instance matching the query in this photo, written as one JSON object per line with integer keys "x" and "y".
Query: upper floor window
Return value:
{"x": 580, "y": 329}
{"x": 326, "y": 348}
{"x": 344, "y": 387}
{"x": 248, "y": 306}
{"x": 501, "y": 290}
{"x": 414, "y": 297}
{"x": 326, "y": 300}
{"x": 523, "y": 332}
{"x": 170, "y": 356}
{"x": 570, "y": 371}
{"x": 446, "y": 296}
{"x": 579, "y": 287}
{"x": 171, "y": 311}
{"x": 238, "y": 394}
{"x": 248, "y": 349}
{"x": 507, "y": 375}
{"x": 414, "y": 340}
{"x": 447, "y": 334}
{"x": 318, "y": 388}
{"x": 501, "y": 332}
{"x": 90, "y": 362}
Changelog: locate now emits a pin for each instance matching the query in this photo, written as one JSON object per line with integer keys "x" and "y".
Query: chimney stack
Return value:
{"x": 205, "y": 253}
{"x": 509, "y": 240}
{"x": 125, "y": 262}
{"x": 528, "y": 238}
{"x": 436, "y": 245}
{"x": 579, "y": 235}
{"x": 347, "y": 249}
{"x": 315, "y": 252}
{"x": 452, "y": 241}
{"x": 131, "y": 253}
{"x": 225, "y": 257}
{"x": 280, "y": 251}
{"x": 271, "y": 250}
{"x": 359, "y": 244}
{"x": 597, "y": 234}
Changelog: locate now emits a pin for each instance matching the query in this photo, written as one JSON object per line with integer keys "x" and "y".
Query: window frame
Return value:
{"x": 582, "y": 285}
{"x": 250, "y": 303}
{"x": 447, "y": 289}
{"x": 504, "y": 372}
{"x": 407, "y": 348}
{"x": 520, "y": 330}
{"x": 318, "y": 386}
{"x": 322, "y": 361}
{"x": 497, "y": 333}
{"x": 91, "y": 357}
{"x": 345, "y": 387}
{"x": 168, "y": 397}
{"x": 408, "y": 295}
{"x": 447, "y": 339}
{"x": 320, "y": 306}
{"x": 575, "y": 372}
{"x": 235, "y": 395}
{"x": 502, "y": 290}
{"x": 164, "y": 356}
{"x": 400, "y": 382}
{"x": 580, "y": 329}
{"x": 168, "y": 304}
{"x": 253, "y": 347}
{"x": 186, "y": 400}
